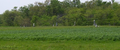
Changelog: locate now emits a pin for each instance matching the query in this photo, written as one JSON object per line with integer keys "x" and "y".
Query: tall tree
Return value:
{"x": 24, "y": 11}
{"x": 18, "y": 21}
{"x": 9, "y": 17}
{"x": 54, "y": 8}
{"x": 68, "y": 12}
{"x": 113, "y": 1}
{"x": 47, "y": 2}
{"x": 76, "y": 3}
{"x": 99, "y": 2}
{"x": 66, "y": 4}
{"x": 1, "y": 19}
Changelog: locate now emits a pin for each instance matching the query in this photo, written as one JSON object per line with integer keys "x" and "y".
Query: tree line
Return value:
{"x": 65, "y": 13}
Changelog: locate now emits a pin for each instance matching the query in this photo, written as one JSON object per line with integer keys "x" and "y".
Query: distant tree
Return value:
{"x": 67, "y": 4}
{"x": 99, "y": 2}
{"x": 113, "y": 1}
{"x": 47, "y": 2}
{"x": 44, "y": 20}
{"x": 18, "y": 21}
{"x": 24, "y": 11}
{"x": 54, "y": 19}
{"x": 89, "y": 15}
{"x": 76, "y": 16}
{"x": 34, "y": 19}
{"x": 76, "y": 3}
{"x": 115, "y": 19}
{"x": 26, "y": 22}
{"x": 15, "y": 8}
{"x": 54, "y": 8}
{"x": 9, "y": 17}
{"x": 1, "y": 19}
{"x": 38, "y": 10}
{"x": 65, "y": 13}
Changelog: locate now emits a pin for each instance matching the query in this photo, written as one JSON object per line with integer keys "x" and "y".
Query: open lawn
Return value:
{"x": 59, "y": 45}
{"x": 60, "y": 38}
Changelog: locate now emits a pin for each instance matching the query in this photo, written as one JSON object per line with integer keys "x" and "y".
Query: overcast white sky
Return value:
{"x": 10, "y": 4}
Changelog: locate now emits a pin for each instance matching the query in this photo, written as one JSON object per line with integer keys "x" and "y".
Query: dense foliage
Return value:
{"x": 65, "y": 13}
{"x": 60, "y": 33}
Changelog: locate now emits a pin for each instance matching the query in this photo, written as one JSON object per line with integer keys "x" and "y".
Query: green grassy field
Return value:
{"x": 55, "y": 45}
{"x": 60, "y": 38}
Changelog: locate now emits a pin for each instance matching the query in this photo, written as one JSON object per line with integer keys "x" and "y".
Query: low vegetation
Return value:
{"x": 60, "y": 33}
{"x": 60, "y": 38}
{"x": 61, "y": 45}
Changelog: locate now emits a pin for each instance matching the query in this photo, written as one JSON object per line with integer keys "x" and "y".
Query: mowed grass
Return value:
{"x": 60, "y": 38}
{"x": 55, "y": 45}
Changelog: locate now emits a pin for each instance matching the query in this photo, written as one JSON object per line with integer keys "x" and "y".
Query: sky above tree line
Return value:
{"x": 10, "y": 4}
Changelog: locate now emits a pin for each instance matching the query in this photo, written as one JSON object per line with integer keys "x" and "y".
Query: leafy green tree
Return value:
{"x": 54, "y": 8}
{"x": 113, "y": 1}
{"x": 9, "y": 17}
{"x": 24, "y": 11}
{"x": 89, "y": 15}
{"x": 47, "y": 2}
{"x": 1, "y": 20}
{"x": 54, "y": 19}
{"x": 14, "y": 9}
{"x": 34, "y": 19}
{"x": 76, "y": 3}
{"x": 100, "y": 17}
{"x": 44, "y": 20}
{"x": 18, "y": 21}
{"x": 38, "y": 10}
{"x": 115, "y": 19}
{"x": 99, "y": 2}
{"x": 66, "y": 4}
{"x": 66, "y": 13}
{"x": 26, "y": 22}
{"x": 75, "y": 17}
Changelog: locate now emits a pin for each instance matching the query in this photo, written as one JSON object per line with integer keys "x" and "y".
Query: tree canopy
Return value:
{"x": 65, "y": 13}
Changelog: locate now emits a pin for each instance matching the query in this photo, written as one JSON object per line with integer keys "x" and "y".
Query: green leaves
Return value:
{"x": 34, "y": 19}
{"x": 66, "y": 13}
{"x": 55, "y": 8}
{"x": 60, "y": 33}
{"x": 75, "y": 15}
